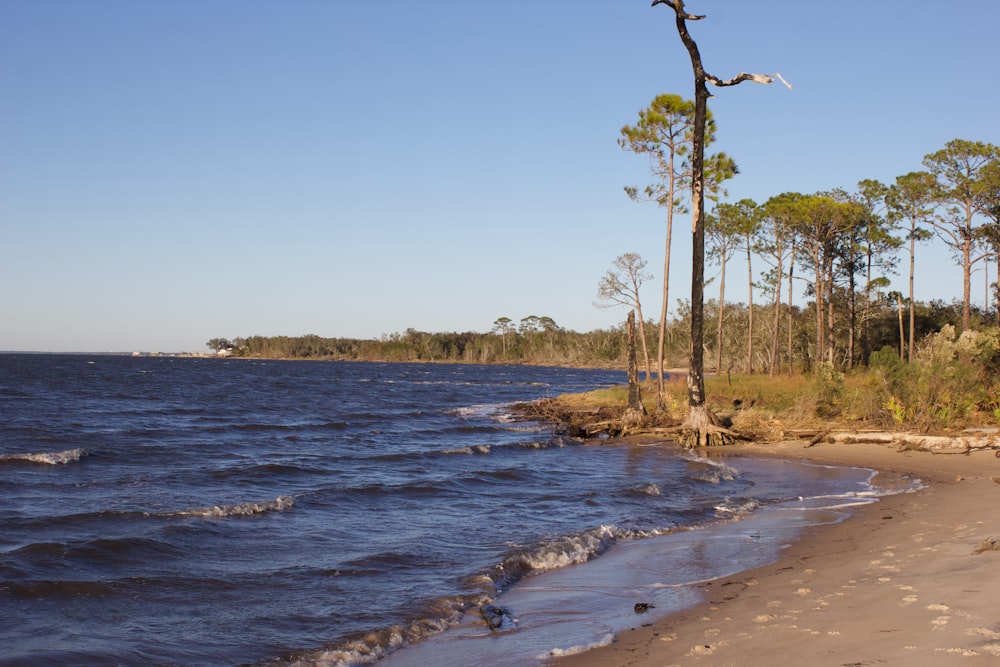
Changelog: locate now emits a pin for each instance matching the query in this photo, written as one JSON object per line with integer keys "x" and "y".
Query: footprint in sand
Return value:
{"x": 764, "y": 618}
{"x": 909, "y": 599}
{"x": 705, "y": 649}
{"x": 940, "y": 622}
{"x": 982, "y": 632}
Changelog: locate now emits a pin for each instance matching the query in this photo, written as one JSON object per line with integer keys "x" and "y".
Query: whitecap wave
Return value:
{"x": 607, "y": 640}
{"x": 497, "y": 412}
{"x": 553, "y": 554}
{"x": 279, "y": 504}
{"x": 649, "y": 489}
{"x": 713, "y": 472}
{"x": 373, "y": 646}
{"x": 473, "y": 449}
{"x": 47, "y": 458}
{"x": 737, "y": 508}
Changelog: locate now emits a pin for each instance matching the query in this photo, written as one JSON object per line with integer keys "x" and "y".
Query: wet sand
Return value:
{"x": 903, "y": 581}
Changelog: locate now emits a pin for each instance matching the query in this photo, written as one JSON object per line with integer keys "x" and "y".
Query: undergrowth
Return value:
{"x": 952, "y": 383}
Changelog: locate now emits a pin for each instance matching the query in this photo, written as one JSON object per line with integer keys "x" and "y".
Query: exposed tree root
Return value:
{"x": 704, "y": 429}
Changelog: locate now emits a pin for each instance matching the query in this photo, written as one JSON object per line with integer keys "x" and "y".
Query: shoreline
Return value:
{"x": 897, "y": 582}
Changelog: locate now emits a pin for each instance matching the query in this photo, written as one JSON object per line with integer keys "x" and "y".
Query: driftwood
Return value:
{"x": 962, "y": 443}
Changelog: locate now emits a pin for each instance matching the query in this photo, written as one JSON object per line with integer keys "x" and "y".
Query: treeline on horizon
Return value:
{"x": 540, "y": 341}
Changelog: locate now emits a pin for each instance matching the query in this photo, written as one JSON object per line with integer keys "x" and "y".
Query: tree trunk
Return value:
{"x": 967, "y": 283}
{"x": 774, "y": 366}
{"x": 722, "y": 306}
{"x": 750, "y": 312}
{"x": 913, "y": 241}
{"x": 645, "y": 347}
{"x": 830, "y": 347}
{"x": 899, "y": 308}
{"x": 702, "y": 426}
{"x": 661, "y": 404}
{"x": 635, "y": 412}
{"x": 852, "y": 316}
{"x": 791, "y": 271}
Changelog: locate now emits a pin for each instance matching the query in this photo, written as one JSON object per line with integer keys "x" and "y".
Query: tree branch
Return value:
{"x": 743, "y": 76}
{"x": 673, "y": 5}
{"x": 682, "y": 17}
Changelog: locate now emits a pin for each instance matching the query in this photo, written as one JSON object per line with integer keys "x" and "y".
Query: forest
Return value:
{"x": 528, "y": 342}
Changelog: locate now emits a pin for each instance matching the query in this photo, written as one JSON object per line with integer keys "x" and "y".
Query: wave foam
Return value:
{"x": 713, "y": 472}
{"x": 737, "y": 508}
{"x": 474, "y": 449}
{"x": 245, "y": 509}
{"x": 47, "y": 458}
{"x": 373, "y": 646}
{"x": 607, "y": 640}
{"x": 649, "y": 489}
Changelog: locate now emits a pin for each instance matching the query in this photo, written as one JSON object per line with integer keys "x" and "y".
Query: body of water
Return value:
{"x": 178, "y": 511}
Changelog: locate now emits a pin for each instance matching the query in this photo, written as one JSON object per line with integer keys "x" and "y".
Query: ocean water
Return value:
{"x": 178, "y": 511}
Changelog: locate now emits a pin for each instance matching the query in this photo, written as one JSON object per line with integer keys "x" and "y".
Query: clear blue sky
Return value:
{"x": 177, "y": 170}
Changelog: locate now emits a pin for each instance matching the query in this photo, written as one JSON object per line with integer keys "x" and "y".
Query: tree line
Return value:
{"x": 842, "y": 245}
{"x": 532, "y": 340}
{"x": 539, "y": 340}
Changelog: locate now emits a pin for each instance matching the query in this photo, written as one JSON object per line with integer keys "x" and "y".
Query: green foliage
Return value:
{"x": 828, "y": 385}
{"x": 952, "y": 381}
{"x": 539, "y": 341}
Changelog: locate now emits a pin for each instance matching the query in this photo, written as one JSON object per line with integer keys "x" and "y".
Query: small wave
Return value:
{"x": 46, "y": 458}
{"x": 536, "y": 444}
{"x": 650, "y": 489}
{"x": 371, "y": 647}
{"x": 279, "y": 504}
{"x": 576, "y": 650}
{"x": 474, "y": 449}
{"x": 483, "y": 410}
{"x": 713, "y": 472}
{"x": 554, "y": 554}
{"x": 737, "y": 508}
{"x": 493, "y": 411}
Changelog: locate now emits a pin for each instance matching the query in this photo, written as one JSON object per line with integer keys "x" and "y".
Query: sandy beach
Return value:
{"x": 903, "y": 581}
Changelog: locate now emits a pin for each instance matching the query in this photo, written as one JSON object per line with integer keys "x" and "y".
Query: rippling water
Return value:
{"x": 220, "y": 512}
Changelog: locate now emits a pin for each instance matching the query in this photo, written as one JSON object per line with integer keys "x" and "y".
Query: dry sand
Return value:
{"x": 901, "y": 582}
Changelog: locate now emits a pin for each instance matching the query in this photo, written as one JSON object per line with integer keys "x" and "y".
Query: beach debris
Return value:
{"x": 495, "y": 617}
{"x": 964, "y": 443}
{"x": 989, "y": 544}
{"x": 643, "y": 607}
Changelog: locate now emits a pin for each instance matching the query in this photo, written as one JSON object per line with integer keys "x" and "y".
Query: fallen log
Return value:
{"x": 936, "y": 444}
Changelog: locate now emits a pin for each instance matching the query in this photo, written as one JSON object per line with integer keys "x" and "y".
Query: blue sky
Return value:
{"x": 174, "y": 171}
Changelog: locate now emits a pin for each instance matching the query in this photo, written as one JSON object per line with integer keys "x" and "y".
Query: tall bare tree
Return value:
{"x": 664, "y": 133}
{"x": 619, "y": 286}
{"x": 702, "y": 426}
